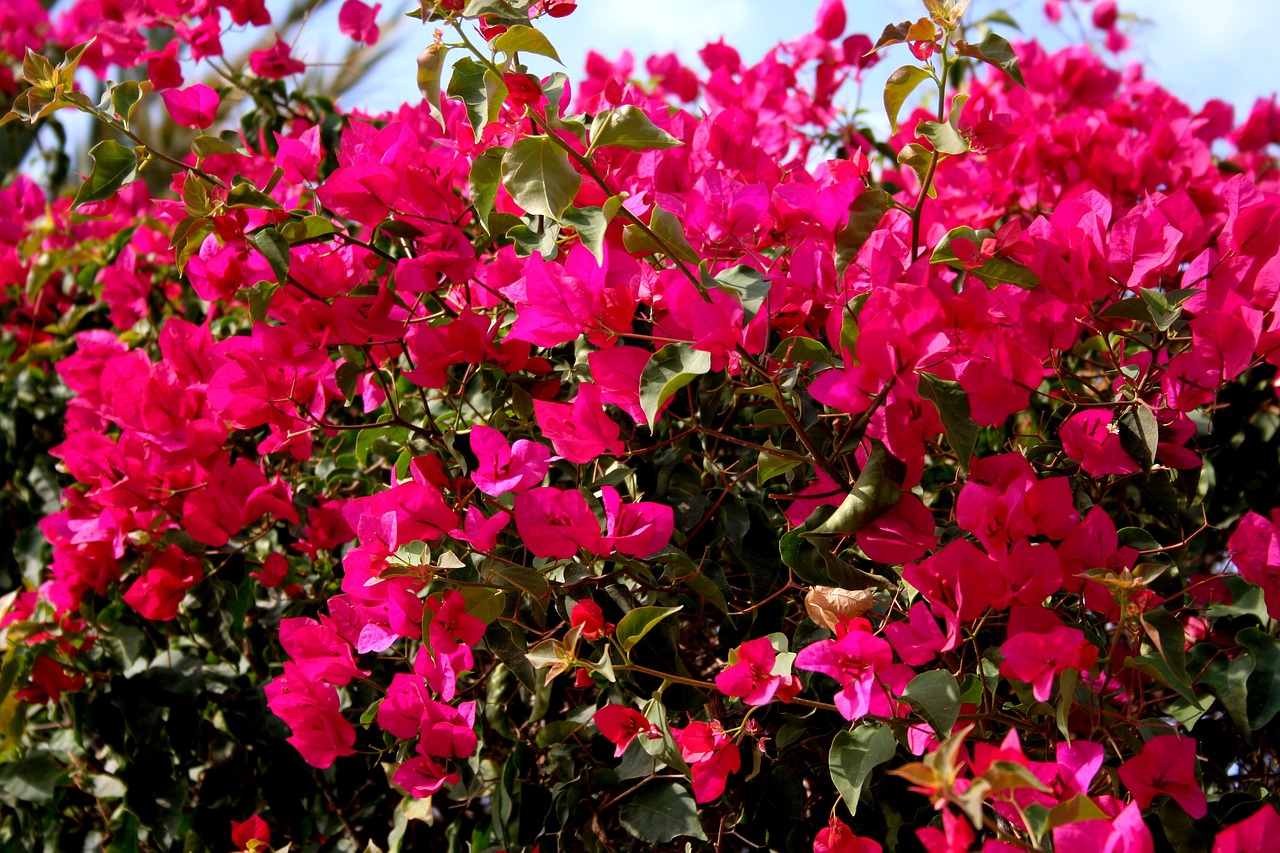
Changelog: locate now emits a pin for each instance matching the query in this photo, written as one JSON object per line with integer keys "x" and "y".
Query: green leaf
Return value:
{"x": 30, "y": 778}
{"x": 113, "y": 166}
{"x": 667, "y": 228}
{"x": 854, "y": 754}
{"x": 1169, "y": 661}
{"x": 275, "y": 248}
{"x": 878, "y": 488}
{"x": 366, "y": 438}
{"x": 953, "y": 410}
{"x": 661, "y": 813}
{"x": 1227, "y": 679}
{"x": 628, "y": 127}
{"x": 1264, "y": 682}
{"x": 633, "y": 627}
{"x": 486, "y": 174}
{"x": 1139, "y": 434}
{"x": 944, "y": 138}
{"x": 245, "y": 195}
{"x": 539, "y": 176}
{"x": 801, "y": 350}
{"x": 590, "y": 223}
{"x": 996, "y": 51}
{"x": 669, "y": 369}
{"x": 527, "y": 39}
{"x": 748, "y": 284}
{"x": 901, "y": 84}
{"x": 205, "y": 145}
{"x": 804, "y": 558}
{"x": 935, "y": 696}
{"x": 125, "y": 97}
{"x": 260, "y": 299}
{"x": 430, "y": 75}
{"x": 498, "y": 638}
{"x": 308, "y": 229}
{"x": 480, "y": 90}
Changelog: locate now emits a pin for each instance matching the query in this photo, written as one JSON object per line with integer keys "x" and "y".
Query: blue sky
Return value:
{"x": 1196, "y": 49}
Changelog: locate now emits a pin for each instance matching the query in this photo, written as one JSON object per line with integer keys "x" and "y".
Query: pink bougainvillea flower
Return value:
{"x": 580, "y": 431}
{"x": 1255, "y": 834}
{"x": 712, "y": 755}
{"x": 275, "y": 568}
{"x": 837, "y": 837}
{"x": 358, "y": 22}
{"x": 620, "y": 725}
{"x": 1125, "y": 833}
{"x": 752, "y": 677}
{"x": 1166, "y": 765}
{"x": 588, "y": 615}
{"x": 903, "y": 533}
{"x": 312, "y": 710}
{"x": 251, "y": 835}
{"x": 157, "y": 594}
{"x": 556, "y": 523}
{"x": 1091, "y": 437}
{"x": 1255, "y": 550}
{"x": 163, "y": 69}
{"x": 481, "y": 532}
{"x": 504, "y": 467}
{"x": 853, "y": 659}
{"x": 276, "y": 61}
{"x": 422, "y": 777}
{"x": 195, "y": 106}
{"x": 1039, "y": 647}
{"x": 638, "y": 529}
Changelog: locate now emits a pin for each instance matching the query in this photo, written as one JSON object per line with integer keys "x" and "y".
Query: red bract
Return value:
{"x": 556, "y": 523}
{"x": 1166, "y": 765}
{"x": 275, "y": 62}
{"x": 752, "y": 678}
{"x": 195, "y": 106}
{"x": 712, "y": 756}
{"x": 620, "y": 725}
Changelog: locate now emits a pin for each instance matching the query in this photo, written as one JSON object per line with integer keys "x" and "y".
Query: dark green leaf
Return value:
{"x": 113, "y": 166}
{"x": 590, "y": 223}
{"x": 1264, "y": 682}
{"x": 935, "y": 696}
{"x": 539, "y": 176}
{"x": 953, "y": 410}
{"x": 124, "y": 99}
{"x": 996, "y": 51}
{"x": 260, "y": 299}
{"x": 1139, "y": 434}
{"x": 660, "y": 813}
{"x": 878, "y": 488}
{"x": 669, "y": 369}
{"x": 1169, "y": 660}
{"x": 854, "y": 754}
{"x": 273, "y": 246}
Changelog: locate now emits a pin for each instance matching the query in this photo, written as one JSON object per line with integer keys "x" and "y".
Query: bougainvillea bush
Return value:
{"x": 658, "y": 459}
